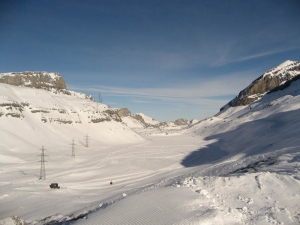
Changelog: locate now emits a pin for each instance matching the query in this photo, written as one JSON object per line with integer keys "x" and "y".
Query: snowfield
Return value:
{"x": 241, "y": 166}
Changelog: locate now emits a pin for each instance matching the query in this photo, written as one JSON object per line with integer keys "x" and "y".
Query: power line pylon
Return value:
{"x": 42, "y": 170}
{"x": 87, "y": 138}
{"x": 100, "y": 98}
{"x": 73, "y": 148}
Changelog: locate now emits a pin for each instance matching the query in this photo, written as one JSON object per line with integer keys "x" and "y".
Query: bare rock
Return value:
{"x": 123, "y": 112}
{"x": 181, "y": 122}
{"x": 40, "y": 80}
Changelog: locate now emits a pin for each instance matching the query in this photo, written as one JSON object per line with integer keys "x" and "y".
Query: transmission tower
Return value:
{"x": 100, "y": 98}
{"x": 42, "y": 170}
{"x": 73, "y": 148}
{"x": 87, "y": 138}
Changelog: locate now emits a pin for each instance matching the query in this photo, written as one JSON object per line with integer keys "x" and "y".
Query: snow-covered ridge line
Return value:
{"x": 268, "y": 81}
{"x": 53, "y": 75}
{"x": 291, "y": 67}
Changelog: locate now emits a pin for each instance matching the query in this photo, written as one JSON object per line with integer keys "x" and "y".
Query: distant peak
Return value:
{"x": 287, "y": 63}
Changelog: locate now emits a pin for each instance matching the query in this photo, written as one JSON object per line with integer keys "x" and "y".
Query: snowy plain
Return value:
{"x": 239, "y": 167}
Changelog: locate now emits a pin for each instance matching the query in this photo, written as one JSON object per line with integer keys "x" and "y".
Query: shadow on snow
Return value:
{"x": 278, "y": 131}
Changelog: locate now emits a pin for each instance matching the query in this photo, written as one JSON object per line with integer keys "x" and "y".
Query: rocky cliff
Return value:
{"x": 40, "y": 80}
{"x": 265, "y": 83}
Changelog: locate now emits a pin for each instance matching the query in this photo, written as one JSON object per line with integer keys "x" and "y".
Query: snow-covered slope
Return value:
{"x": 38, "y": 117}
{"x": 247, "y": 171}
{"x": 148, "y": 119}
{"x": 238, "y": 167}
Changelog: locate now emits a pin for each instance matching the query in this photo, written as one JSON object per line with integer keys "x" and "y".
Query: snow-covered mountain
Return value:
{"x": 240, "y": 166}
{"x": 149, "y": 122}
{"x": 55, "y": 84}
{"x": 266, "y": 83}
{"x": 43, "y": 116}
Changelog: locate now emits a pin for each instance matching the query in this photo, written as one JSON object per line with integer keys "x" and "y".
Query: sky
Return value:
{"x": 168, "y": 59}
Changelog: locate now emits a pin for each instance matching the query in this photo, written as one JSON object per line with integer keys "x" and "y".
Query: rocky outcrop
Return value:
{"x": 181, "y": 122}
{"x": 40, "y": 80}
{"x": 124, "y": 112}
{"x": 141, "y": 119}
{"x": 266, "y": 83}
{"x": 13, "y": 220}
{"x": 111, "y": 115}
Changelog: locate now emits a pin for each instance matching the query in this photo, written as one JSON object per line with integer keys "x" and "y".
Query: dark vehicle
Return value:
{"x": 54, "y": 185}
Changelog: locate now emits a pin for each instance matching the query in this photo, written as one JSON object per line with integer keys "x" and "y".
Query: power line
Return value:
{"x": 42, "y": 161}
{"x": 99, "y": 100}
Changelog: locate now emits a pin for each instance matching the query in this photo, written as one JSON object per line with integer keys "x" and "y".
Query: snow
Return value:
{"x": 239, "y": 167}
{"x": 148, "y": 119}
{"x": 52, "y": 75}
{"x": 132, "y": 123}
{"x": 194, "y": 121}
{"x": 283, "y": 68}
{"x": 286, "y": 63}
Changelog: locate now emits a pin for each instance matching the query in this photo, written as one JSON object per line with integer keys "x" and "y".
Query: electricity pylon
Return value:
{"x": 73, "y": 148}
{"x": 42, "y": 170}
{"x": 87, "y": 138}
{"x": 99, "y": 100}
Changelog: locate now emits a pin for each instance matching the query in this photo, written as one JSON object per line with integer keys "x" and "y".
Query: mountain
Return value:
{"x": 266, "y": 83}
{"x": 39, "y": 98}
{"x": 42, "y": 116}
{"x": 238, "y": 167}
{"x": 149, "y": 122}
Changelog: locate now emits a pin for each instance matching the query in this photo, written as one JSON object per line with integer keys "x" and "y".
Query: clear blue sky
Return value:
{"x": 168, "y": 59}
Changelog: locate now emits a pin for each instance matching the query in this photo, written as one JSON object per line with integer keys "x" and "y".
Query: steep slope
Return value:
{"x": 268, "y": 125}
{"x": 26, "y": 113}
{"x": 265, "y": 83}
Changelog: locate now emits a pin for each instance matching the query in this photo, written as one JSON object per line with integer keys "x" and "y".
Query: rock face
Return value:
{"x": 40, "y": 80}
{"x": 141, "y": 119}
{"x": 181, "y": 122}
{"x": 266, "y": 83}
{"x": 124, "y": 112}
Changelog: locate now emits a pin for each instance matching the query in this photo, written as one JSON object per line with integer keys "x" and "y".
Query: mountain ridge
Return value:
{"x": 265, "y": 83}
